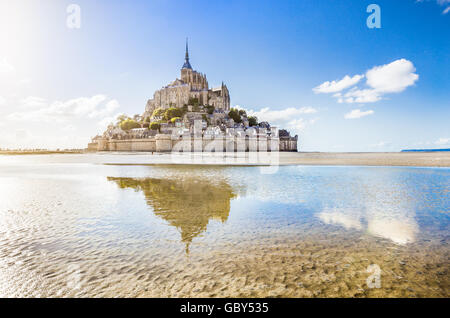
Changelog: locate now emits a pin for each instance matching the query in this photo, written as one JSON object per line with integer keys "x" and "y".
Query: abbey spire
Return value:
{"x": 186, "y": 58}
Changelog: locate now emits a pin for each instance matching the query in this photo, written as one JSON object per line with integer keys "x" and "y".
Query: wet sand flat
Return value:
{"x": 72, "y": 226}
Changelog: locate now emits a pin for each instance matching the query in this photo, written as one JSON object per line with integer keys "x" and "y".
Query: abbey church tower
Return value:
{"x": 192, "y": 85}
{"x": 196, "y": 80}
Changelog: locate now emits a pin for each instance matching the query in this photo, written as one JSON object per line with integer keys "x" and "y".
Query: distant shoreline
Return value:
{"x": 39, "y": 152}
{"x": 426, "y": 150}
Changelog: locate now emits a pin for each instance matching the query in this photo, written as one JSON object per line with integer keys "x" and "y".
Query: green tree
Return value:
{"x": 158, "y": 112}
{"x": 122, "y": 118}
{"x": 252, "y": 121}
{"x": 155, "y": 126}
{"x": 242, "y": 112}
{"x": 128, "y": 124}
{"x": 234, "y": 114}
{"x": 172, "y": 112}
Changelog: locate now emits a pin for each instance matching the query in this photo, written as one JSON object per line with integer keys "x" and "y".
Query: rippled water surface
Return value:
{"x": 72, "y": 226}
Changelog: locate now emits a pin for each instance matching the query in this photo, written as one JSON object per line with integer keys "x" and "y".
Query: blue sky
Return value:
{"x": 60, "y": 86}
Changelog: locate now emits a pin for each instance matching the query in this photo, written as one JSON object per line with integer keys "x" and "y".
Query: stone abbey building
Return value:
{"x": 192, "y": 85}
{"x": 200, "y": 128}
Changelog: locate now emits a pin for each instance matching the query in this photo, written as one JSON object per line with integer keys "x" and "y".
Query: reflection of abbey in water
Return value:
{"x": 187, "y": 204}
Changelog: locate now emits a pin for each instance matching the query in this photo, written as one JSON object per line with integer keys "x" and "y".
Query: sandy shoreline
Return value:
{"x": 419, "y": 159}
{"x": 411, "y": 159}
{"x": 408, "y": 159}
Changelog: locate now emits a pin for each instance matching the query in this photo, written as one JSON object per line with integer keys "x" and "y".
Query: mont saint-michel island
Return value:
{"x": 189, "y": 116}
{"x": 248, "y": 150}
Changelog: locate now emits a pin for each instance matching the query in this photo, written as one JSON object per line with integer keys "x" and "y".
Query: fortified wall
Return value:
{"x": 169, "y": 143}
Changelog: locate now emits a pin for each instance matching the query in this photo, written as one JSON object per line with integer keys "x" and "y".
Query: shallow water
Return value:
{"x": 72, "y": 226}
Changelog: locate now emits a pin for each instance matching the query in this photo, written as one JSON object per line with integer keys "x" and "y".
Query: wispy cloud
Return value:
{"x": 361, "y": 96}
{"x": 337, "y": 85}
{"x": 357, "y": 113}
{"x": 446, "y": 4}
{"x": 442, "y": 3}
{"x": 440, "y": 142}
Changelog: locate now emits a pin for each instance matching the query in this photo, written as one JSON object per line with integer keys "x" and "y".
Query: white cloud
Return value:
{"x": 64, "y": 111}
{"x": 357, "y": 113}
{"x": 5, "y": 66}
{"x": 33, "y": 102}
{"x": 361, "y": 96}
{"x": 110, "y": 106}
{"x": 295, "y": 125}
{"x": 40, "y": 123}
{"x": 290, "y": 118}
{"x": 283, "y": 115}
{"x": 337, "y": 86}
{"x": 394, "y": 77}
{"x": 442, "y": 141}
{"x": 103, "y": 124}
{"x": 2, "y": 101}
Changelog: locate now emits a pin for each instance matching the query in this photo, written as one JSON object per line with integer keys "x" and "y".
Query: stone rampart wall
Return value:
{"x": 166, "y": 143}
